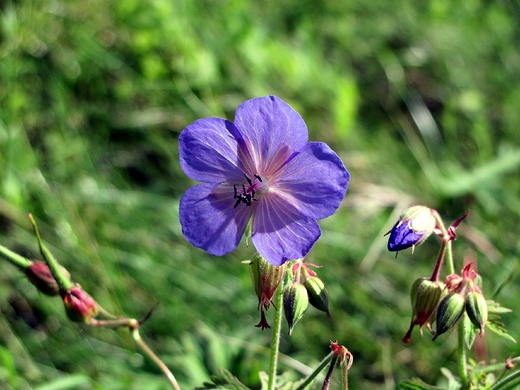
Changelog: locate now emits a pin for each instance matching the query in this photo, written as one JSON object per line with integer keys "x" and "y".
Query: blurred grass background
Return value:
{"x": 421, "y": 100}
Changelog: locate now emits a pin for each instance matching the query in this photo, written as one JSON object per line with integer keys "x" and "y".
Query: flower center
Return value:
{"x": 256, "y": 186}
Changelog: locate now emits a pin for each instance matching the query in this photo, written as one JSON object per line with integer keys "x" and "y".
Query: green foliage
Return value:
{"x": 420, "y": 100}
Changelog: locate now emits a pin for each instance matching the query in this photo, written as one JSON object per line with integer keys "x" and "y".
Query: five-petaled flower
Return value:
{"x": 261, "y": 166}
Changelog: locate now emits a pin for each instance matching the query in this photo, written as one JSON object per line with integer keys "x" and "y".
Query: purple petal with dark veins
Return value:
{"x": 280, "y": 232}
{"x": 208, "y": 151}
{"x": 272, "y": 130}
{"x": 315, "y": 181}
{"x": 209, "y": 220}
{"x": 402, "y": 237}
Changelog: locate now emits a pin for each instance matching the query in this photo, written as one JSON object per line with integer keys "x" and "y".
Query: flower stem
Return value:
{"x": 328, "y": 378}
{"x": 508, "y": 382}
{"x": 344, "y": 376}
{"x": 463, "y": 374}
{"x": 438, "y": 265}
{"x": 315, "y": 373}
{"x": 63, "y": 281}
{"x": 449, "y": 258}
{"x": 15, "y": 259}
{"x": 275, "y": 342}
{"x": 154, "y": 357}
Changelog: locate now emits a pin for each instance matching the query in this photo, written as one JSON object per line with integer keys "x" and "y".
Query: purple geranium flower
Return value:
{"x": 262, "y": 166}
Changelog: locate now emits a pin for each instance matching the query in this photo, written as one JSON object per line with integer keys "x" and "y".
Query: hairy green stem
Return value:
{"x": 275, "y": 342}
{"x": 508, "y": 382}
{"x": 15, "y": 259}
{"x": 137, "y": 337}
{"x": 315, "y": 373}
{"x": 463, "y": 372}
{"x": 63, "y": 281}
{"x": 344, "y": 376}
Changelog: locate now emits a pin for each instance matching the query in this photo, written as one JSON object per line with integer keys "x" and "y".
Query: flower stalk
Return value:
{"x": 14, "y": 258}
{"x": 275, "y": 342}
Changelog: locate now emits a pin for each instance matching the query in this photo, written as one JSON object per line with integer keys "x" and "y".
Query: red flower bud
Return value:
{"x": 79, "y": 305}
{"x": 40, "y": 275}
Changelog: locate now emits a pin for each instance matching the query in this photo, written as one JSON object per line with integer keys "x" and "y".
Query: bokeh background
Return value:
{"x": 421, "y": 100}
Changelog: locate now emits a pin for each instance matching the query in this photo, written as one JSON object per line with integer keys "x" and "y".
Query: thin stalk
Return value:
{"x": 449, "y": 258}
{"x": 155, "y": 358}
{"x": 507, "y": 382}
{"x": 15, "y": 259}
{"x": 275, "y": 342}
{"x": 344, "y": 376}
{"x": 463, "y": 372}
{"x": 440, "y": 259}
{"x": 328, "y": 377}
{"x": 315, "y": 373}
{"x": 63, "y": 281}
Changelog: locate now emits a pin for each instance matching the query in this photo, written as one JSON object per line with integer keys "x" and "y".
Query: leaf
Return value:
{"x": 415, "y": 384}
{"x": 225, "y": 380}
{"x": 495, "y": 307}
{"x": 469, "y": 331}
{"x": 499, "y": 329}
{"x": 71, "y": 382}
{"x": 453, "y": 382}
{"x": 282, "y": 381}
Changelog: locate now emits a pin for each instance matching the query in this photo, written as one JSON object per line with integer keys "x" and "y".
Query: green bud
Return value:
{"x": 266, "y": 279}
{"x": 449, "y": 312}
{"x": 295, "y": 302}
{"x": 317, "y": 292}
{"x": 425, "y": 298}
{"x": 476, "y": 307}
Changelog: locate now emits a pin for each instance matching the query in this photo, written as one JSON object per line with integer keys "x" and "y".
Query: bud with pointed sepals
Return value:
{"x": 295, "y": 302}
{"x": 414, "y": 226}
{"x": 449, "y": 312}
{"x": 40, "y": 275}
{"x": 425, "y": 297}
{"x": 79, "y": 305}
{"x": 318, "y": 296}
{"x": 476, "y": 308}
{"x": 266, "y": 279}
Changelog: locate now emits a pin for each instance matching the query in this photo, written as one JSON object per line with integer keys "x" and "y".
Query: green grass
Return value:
{"x": 420, "y": 100}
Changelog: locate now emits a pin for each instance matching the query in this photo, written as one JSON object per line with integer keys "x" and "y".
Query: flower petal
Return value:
{"x": 209, "y": 220}
{"x": 315, "y": 181}
{"x": 272, "y": 131}
{"x": 280, "y": 232}
{"x": 208, "y": 151}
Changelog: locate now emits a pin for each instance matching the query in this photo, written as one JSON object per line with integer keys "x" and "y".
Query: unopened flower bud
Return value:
{"x": 295, "y": 302}
{"x": 266, "y": 279}
{"x": 79, "y": 305}
{"x": 449, "y": 312}
{"x": 425, "y": 297}
{"x": 476, "y": 308}
{"x": 414, "y": 226}
{"x": 317, "y": 292}
{"x": 40, "y": 275}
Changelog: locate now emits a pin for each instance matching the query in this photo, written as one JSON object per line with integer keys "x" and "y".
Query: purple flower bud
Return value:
{"x": 79, "y": 305}
{"x": 40, "y": 275}
{"x": 414, "y": 226}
